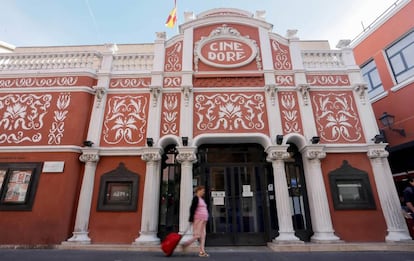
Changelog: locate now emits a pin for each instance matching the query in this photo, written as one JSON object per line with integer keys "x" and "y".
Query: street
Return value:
{"x": 251, "y": 255}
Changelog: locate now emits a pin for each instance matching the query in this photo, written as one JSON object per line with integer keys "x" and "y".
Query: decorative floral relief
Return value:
{"x": 58, "y": 125}
{"x": 290, "y": 112}
{"x": 281, "y": 56}
{"x": 170, "y": 112}
{"x": 20, "y": 113}
{"x": 39, "y": 82}
{"x": 336, "y": 118}
{"x": 328, "y": 80}
{"x": 125, "y": 119}
{"x": 172, "y": 81}
{"x": 285, "y": 80}
{"x": 173, "y": 61}
{"x": 229, "y": 112}
{"x": 130, "y": 82}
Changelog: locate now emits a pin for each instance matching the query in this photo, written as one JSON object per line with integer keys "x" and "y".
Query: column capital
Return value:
{"x": 277, "y": 153}
{"x": 89, "y": 155}
{"x": 377, "y": 152}
{"x": 186, "y": 154}
{"x": 312, "y": 152}
{"x": 151, "y": 154}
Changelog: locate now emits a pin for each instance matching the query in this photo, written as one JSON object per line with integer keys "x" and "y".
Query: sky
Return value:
{"x": 87, "y": 22}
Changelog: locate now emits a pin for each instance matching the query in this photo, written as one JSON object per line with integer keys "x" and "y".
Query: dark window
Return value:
{"x": 18, "y": 183}
{"x": 351, "y": 188}
{"x": 118, "y": 190}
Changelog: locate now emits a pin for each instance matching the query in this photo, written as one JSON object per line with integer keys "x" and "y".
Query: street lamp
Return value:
{"x": 388, "y": 121}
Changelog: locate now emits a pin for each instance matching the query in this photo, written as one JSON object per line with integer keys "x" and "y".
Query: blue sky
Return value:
{"x": 86, "y": 22}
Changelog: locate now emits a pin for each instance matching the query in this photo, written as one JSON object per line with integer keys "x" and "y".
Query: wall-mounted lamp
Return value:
{"x": 388, "y": 121}
{"x": 150, "y": 142}
{"x": 88, "y": 143}
{"x": 378, "y": 138}
{"x": 185, "y": 141}
{"x": 279, "y": 139}
{"x": 315, "y": 139}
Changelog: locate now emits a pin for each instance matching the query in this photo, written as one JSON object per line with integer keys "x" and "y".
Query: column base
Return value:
{"x": 396, "y": 236}
{"x": 147, "y": 238}
{"x": 79, "y": 238}
{"x": 325, "y": 237}
{"x": 287, "y": 237}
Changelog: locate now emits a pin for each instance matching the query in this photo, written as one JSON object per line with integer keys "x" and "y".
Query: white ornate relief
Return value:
{"x": 39, "y": 82}
{"x": 20, "y": 113}
{"x": 328, "y": 80}
{"x": 282, "y": 60}
{"x": 125, "y": 119}
{"x": 58, "y": 125}
{"x": 130, "y": 82}
{"x": 170, "y": 114}
{"x": 173, "y": 63}
{"x": 172, "y": 81}
{"x": 290, "y": 113}
{"x": 229, "y": 112}
{"x": 336, "y": 117}
{"x": 284, "y": 80}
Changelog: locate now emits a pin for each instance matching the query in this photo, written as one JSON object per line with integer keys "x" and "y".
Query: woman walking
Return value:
{"x": 199, "y": 217}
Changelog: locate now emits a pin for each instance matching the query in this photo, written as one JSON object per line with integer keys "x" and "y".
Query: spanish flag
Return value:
{"x": 172, "y": 18}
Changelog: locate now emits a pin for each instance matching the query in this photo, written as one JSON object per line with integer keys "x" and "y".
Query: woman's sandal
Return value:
{"x": 203, "y": 254}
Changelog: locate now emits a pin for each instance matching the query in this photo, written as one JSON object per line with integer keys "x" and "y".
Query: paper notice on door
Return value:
{"x": 247, "y": 194}
{"x": 218, "y": 201}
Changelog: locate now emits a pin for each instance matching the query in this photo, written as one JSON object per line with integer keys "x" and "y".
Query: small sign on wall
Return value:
{"x": 53, "y": 166}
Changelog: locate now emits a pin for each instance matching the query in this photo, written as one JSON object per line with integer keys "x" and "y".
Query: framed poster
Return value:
{"x": 18, "y": 186}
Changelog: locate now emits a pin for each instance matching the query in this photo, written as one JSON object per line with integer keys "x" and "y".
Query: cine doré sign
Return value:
{"x": 225, "y": 48}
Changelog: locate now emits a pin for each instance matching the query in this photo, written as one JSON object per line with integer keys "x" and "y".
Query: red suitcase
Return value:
{"x": 170, "y": 242}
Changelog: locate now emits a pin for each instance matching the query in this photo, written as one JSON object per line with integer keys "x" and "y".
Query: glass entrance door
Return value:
{"x": 237, "y": 205}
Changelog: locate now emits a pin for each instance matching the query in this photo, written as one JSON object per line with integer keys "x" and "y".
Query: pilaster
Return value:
{"x": 150, "y": 202}
{"x": 387, "y": 193}
{"x": 277, "y": 155}
{"x": 186, "y": 156}
{"x": 318, "y": 200}
{"x": 80, "y": 234}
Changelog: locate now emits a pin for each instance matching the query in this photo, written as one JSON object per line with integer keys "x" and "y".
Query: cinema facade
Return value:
{"x": 104, "y": 144}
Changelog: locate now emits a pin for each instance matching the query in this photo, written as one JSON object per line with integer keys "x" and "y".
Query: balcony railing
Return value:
{"x": 49, "y": 61}
{"x": 323, "y": 59}
{"x": 90, "y": 61}
{"x": 133, "y": 62}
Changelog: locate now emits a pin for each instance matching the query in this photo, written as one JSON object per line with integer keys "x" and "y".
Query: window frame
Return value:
{"x": 346, "y": 174}
{"x": 372, "y": 90}
{"x": 390, "y": 54}
{"x": 21, "y": 184}
{"x": 120, "y": 177}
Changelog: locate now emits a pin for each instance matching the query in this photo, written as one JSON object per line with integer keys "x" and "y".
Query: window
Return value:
{"x": 401, "y": 58}
{"x": 350, "y": 188}
{"x": 118, "y": 190}
{"x": 18, "y": 183}
{"x": 371, "y": 77}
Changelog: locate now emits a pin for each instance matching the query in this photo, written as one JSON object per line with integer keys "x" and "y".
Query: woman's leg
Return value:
{"x": 203, "y": 236}
{"x": 197, "y": 228}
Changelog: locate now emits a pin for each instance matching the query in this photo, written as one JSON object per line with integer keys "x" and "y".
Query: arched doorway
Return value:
{"x": 239, "y": 193}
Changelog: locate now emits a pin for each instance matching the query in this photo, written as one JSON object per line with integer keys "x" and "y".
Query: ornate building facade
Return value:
{"x": 104, "y": 144}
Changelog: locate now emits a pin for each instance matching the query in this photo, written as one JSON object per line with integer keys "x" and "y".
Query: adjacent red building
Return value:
{"x": 385, "y": 53}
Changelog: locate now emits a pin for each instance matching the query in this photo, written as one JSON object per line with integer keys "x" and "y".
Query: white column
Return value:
{"x": 277, "y": 155}
{"x": 150, "y": 202}
{"x": 80, "y": 233}
{"x": 387, "y": 193}
{"x": 318, "y": 200}
{"x": 186, "y": 157}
